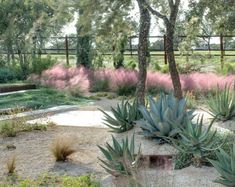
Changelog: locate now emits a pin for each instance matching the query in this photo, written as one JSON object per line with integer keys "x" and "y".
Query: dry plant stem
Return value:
{"x": 11, "y": 164}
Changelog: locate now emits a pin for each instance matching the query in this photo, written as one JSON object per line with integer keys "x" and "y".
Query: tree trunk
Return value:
{"x": 143, "y": 53}
{"x": 172, "y": 67}
{"x": 170, "y": 30}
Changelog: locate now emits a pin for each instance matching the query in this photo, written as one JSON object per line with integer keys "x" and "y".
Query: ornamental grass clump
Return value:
{"x": 123, "y": 117}
{"x": 225, "y": 165}
{"x": 222, "y": 104}
{"x": 121, "y": 158}
{"x": 164, "y": 117}
{"x": 62, "y": 147}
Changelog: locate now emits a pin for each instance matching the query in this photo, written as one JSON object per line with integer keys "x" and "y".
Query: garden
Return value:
{"x": 91, "y": 97}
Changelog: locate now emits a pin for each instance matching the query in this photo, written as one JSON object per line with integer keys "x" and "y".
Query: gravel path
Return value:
{"x": 33, "y": 155}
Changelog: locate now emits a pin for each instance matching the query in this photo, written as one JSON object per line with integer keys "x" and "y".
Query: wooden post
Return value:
{"x": 165, "y": 54}
{"x": 130, "y": 42}
{"x": 67, "y": 49}
{"x": 222, "y": 51}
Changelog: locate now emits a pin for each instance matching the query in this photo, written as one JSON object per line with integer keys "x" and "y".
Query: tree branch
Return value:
{"x": 171, "y": 4}
{"x": 156, "y": 13}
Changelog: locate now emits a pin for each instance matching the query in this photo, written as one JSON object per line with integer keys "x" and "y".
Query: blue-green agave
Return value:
{"x": 197, "y": 140}
{"x": 124, "y": 116}
{"x": 225, "y": 165}
{"x": 222, "y": 105}
{"x": 164, "y": 117}
{"x": 121, "y": 158}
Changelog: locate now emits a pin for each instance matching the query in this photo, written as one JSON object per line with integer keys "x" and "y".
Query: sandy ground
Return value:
{"x": 34, "y": 157}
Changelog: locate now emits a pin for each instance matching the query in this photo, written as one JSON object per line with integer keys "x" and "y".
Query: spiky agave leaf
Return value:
{"x": 164, "y": 117}
{"x": 197, "y": 140}
{"x": 124, "y": 116}
{"x": 121, "y": 158}
{"x": 225, "y": 165}
{"x": 222, "y": 104}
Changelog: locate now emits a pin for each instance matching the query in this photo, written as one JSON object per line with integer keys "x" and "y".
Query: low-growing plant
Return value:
{"x": 124, "y": 116}
{"x": 222, "y": 105}
{"x": 196, "y": 140}
{"x": 62, "y": 147}
{"x": 6, "y": 75}
{"x": 8, "y": 129}
{"x": 100, "y": 85}
{"x": 121, "y": 158}
{"x": 126, "y": 90}
{"x": 164, "y": 117}
{"x": 225, "y": 165}
{"x": 11, "y": 164}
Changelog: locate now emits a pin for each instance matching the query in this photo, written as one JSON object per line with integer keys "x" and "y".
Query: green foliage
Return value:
{"x": 125, "y": 90}
{"x": 41, "y": 64}
{"x": 6, "y": 75}
{"x": 164, "y": 117}
{"x": 40, "y": 98}
{"x": 182, "y": 160}
{"x": 124, "y": 116}
{"x": 228, "y": 69}
{"x": 130, "y": 64}
{"x": 225, "y": 165}
{"x": 8, "y": 129}
{"x": 51, "y": 180}
{"x": 100, "y": 85}
{"x": 222, "y": 105}
{"x": 121, "y": 158}
{"x": 196, "y": 140}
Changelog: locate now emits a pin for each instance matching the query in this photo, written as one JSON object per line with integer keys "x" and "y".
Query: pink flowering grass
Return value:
{"x": 63, "y": 78}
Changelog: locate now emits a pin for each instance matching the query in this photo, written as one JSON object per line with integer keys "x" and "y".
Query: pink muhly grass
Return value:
{"x": 156, "y": 80}
{"x": 122, "y": 77}
{"x": 63, "y": 78}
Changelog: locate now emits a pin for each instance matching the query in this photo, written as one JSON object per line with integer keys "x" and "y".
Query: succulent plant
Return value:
{"x": 225, "y": 165}
{"x": 121, "y": 158}
{"x": 164, "y": 117}
{"x": 196, "y": 140}
{"x": 124, "y": 116}
{"x": 222, "y": 105}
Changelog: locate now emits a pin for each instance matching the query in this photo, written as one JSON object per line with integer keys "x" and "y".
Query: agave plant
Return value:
{"x": 124, "y": 116}
{"x": 222, "y": 105}
{"x": 164, "y": 117}
{"x": 197, "y": 140}
{"x": 225, "y": 165}
{"x": 121, "y": 158}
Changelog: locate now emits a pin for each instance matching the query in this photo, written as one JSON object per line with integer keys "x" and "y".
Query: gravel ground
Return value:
{"x": 34, "y": 157}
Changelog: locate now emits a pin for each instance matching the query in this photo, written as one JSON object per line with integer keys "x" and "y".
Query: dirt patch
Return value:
{"x": 34, "y": 157}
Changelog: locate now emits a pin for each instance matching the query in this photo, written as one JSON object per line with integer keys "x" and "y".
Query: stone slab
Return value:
{"x": 75, "y": 118}
{"x": 187, "y": 177}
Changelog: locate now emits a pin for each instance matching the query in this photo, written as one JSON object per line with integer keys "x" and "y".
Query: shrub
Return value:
{"x": 9, "y": 129}
{"x": 41, "y": 64}
{"x": 225, "y": 165}
{"x": 100, "y": 85}
{"x": 124, "y": 117}
{"x": 121, "y": 158}
{"x": 6, "y": 75}
{"x": 62, "y": 148}
{"x": 222, "y": 105}
{"x": 164, "y": 118}
{"x": 11, "y": 165}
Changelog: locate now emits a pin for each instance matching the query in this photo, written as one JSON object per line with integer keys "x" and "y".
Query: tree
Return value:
{"x": 170, "y": 31}
{"x": 84, "y": 42}
{"x": 143, "y": 51}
